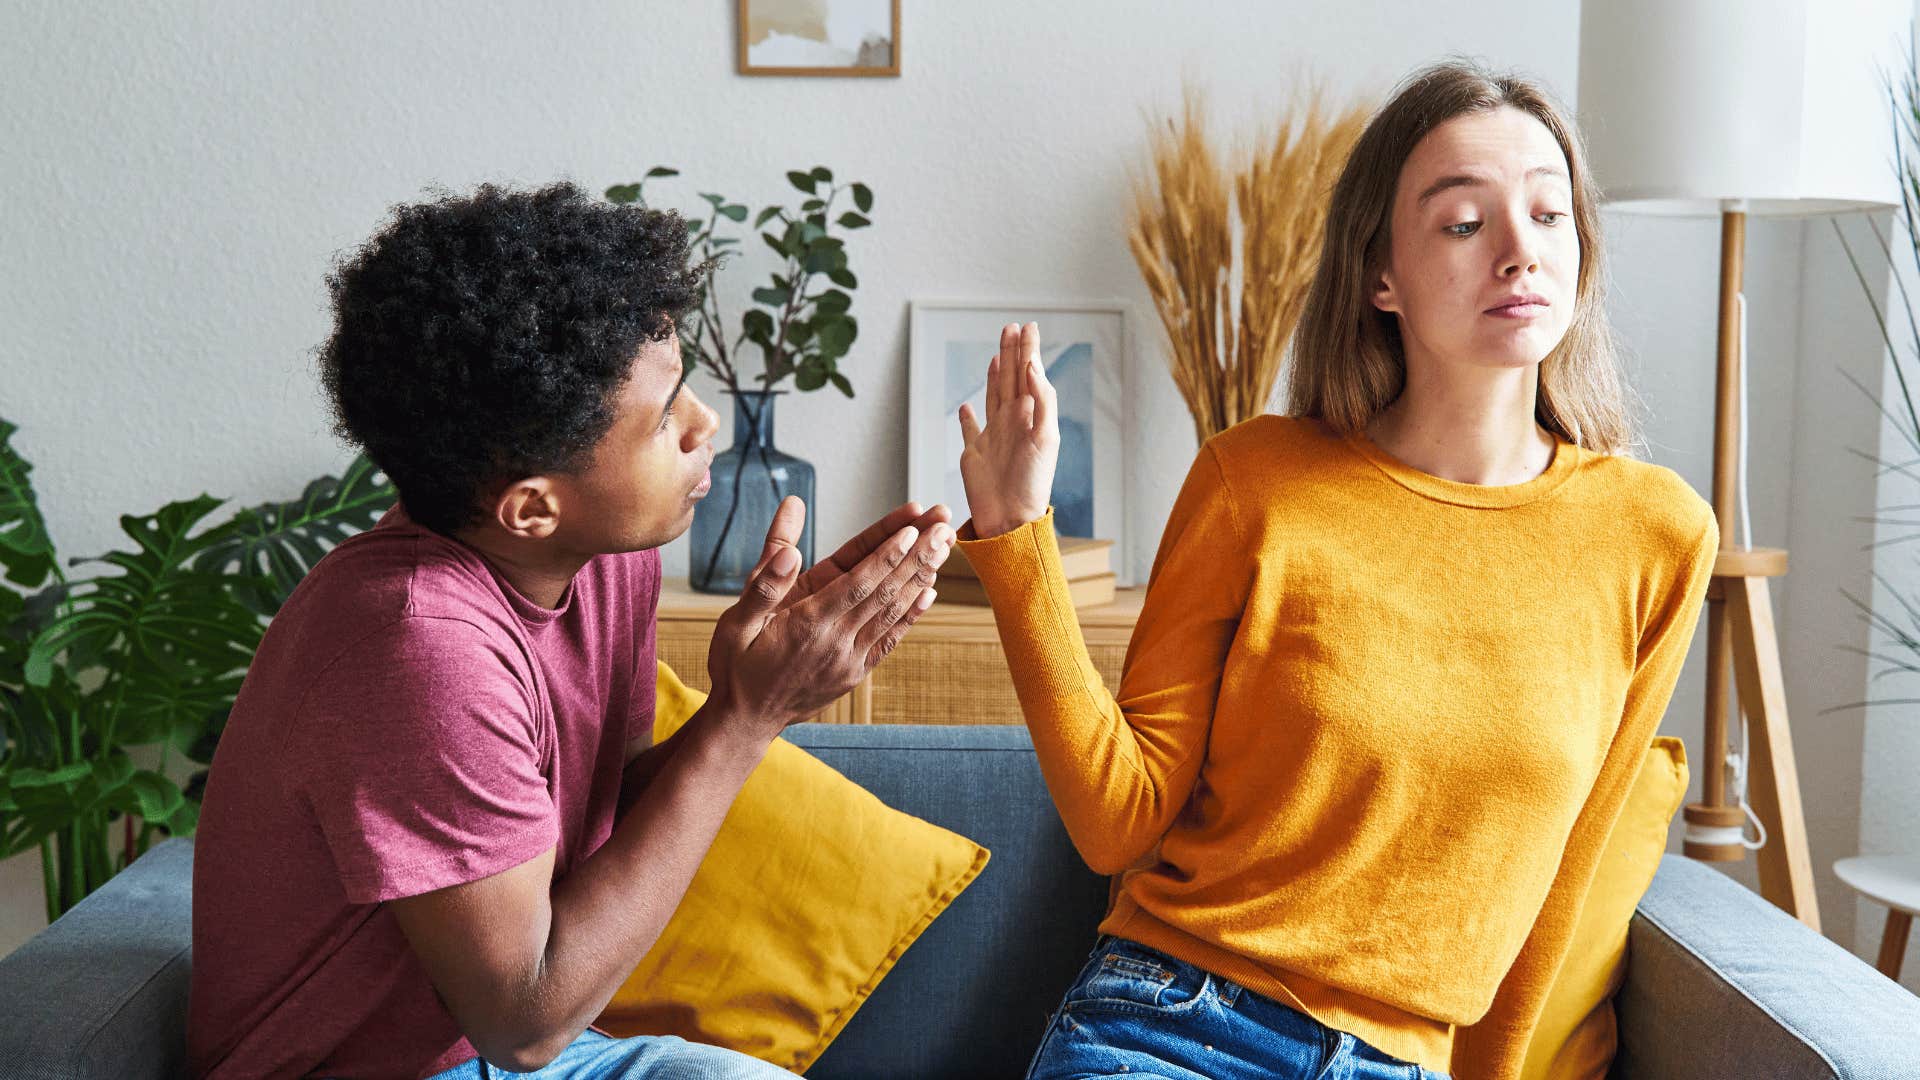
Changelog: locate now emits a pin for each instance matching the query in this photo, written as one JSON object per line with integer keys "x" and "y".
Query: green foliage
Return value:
{"x": 802, "y": 326}
{"x": 150, "y": 651}
{"x": 1900, "y": 629}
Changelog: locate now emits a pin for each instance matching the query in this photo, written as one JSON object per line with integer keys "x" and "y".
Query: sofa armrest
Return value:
{"x": 1722, "y": 984}
{"x": 103, "y": 991}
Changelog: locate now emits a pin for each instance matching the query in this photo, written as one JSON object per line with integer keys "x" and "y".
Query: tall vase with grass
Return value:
{"x": 143, "y": 656}
{"x": 802, "y": 325}
{"x": 1228, "y": 250}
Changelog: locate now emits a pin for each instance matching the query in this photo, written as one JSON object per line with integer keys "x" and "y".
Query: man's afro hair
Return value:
{"x": 478, "y": 339}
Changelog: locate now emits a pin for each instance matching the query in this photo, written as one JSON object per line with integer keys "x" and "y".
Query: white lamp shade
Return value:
{"x": 1784, "y": 104}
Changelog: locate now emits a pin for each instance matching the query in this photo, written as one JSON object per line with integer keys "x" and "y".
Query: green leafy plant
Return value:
{"x": 801, "y": 321}
{"x": 150, "y": 651}
{"x": 1901, "y": 630}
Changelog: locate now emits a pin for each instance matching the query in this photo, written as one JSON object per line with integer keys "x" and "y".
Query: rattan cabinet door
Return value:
{"x": 958, "y": 678}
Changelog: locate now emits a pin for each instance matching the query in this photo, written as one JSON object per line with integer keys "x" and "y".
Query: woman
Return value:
{"x": 1402, "y": 649}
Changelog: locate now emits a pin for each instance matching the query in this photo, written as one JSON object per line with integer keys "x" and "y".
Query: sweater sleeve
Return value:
{"x": 1494, "y": 1047}
{"x": 1120, "y": 769}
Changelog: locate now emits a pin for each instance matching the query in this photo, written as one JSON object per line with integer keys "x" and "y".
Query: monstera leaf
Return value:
{"x": 151, "y": 650}
{"x": 26, "y": 551}
{"x": 280, "y": 542}
{"x": 174, "y": 640}
{"x": 35, "y": 770}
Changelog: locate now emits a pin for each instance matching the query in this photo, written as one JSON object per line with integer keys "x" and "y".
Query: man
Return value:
{"x": 437, "y": 835}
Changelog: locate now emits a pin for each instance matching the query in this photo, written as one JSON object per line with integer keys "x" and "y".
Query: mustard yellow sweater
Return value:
{"x": 1374, "y": 725}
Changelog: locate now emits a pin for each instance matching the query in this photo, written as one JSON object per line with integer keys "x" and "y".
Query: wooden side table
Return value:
{"x": 948, "y": 670}
{"x": 1893, "y": 880}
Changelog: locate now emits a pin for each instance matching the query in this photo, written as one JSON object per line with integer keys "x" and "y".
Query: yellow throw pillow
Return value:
{"x": 812, "y": 891}
{"x": 1576, "y": 1037}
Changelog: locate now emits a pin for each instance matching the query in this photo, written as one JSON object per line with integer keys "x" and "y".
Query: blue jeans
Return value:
{"x": 594, "y": 1056}
{"x": 1136, "y": 1012}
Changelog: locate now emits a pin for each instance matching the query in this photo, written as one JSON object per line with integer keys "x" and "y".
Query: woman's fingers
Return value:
{"x": 1029, "y": 355}
{"x": 1043, "y": 398}
{"x": 1017, "y": 387}
{"x": 969, "y": 426}
{"x": 1009, "y": 366}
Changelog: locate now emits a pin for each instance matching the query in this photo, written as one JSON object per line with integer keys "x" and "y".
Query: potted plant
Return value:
{"x": 802, "y": 325}
{"x": 147, "y": 652}
{"x": 1904, "y": 106}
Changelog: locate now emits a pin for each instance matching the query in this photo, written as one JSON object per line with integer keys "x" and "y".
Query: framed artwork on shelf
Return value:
{"x": 819, "y": 37}
{"x": 1083, "y": 347}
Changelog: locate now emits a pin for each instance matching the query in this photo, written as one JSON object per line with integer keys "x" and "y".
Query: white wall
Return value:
{"x": 176, "y": 182}
{"x": 1890, "y": 735}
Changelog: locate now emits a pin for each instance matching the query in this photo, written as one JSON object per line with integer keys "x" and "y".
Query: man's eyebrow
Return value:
{"x": 1464, "y": 180}
{"x": 673, "y": 396}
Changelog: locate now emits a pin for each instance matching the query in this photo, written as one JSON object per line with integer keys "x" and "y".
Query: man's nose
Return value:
{"x": 699, "y": 434}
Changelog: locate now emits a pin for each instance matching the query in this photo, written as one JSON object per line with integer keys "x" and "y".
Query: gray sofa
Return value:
{"x": 1720, "y": 985}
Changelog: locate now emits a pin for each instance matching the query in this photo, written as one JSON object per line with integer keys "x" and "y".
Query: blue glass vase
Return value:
{"x": 749, "y": 480}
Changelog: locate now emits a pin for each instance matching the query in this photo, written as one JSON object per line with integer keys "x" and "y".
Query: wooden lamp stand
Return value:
{"x": 1740, "y": 622}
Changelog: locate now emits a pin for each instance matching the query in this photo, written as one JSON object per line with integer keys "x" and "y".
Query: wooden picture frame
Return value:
{"x": 745, "y": 18}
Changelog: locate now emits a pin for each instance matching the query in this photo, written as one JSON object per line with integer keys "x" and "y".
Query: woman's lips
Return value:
{"x": 705, "y": 485}
{"x": 1518, "y": 311}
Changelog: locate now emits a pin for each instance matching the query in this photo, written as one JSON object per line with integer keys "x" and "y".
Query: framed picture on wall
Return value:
{"x": 819, "y": 37}
{"x": 1083, "y": 347}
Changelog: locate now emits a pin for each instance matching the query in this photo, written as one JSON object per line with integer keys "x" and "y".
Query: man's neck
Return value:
{"x": 540, "y": 576}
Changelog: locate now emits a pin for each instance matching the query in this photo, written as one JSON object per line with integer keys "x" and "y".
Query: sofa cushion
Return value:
{"x": 1576, "y": 1036}
{"x": 812, "y": 890}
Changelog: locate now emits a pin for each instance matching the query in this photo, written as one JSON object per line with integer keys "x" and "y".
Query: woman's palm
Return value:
{"x": 1008, "y": 466}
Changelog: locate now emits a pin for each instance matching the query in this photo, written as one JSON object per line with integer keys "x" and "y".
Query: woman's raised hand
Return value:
{"x": 1008, "y": 466}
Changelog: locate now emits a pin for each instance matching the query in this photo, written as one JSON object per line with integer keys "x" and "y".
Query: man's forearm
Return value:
{"x": 611, "y": 908}
{"x": 639, "y": 772}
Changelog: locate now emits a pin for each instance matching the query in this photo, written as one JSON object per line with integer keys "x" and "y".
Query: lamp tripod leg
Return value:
{"x": 1786, "y": 862}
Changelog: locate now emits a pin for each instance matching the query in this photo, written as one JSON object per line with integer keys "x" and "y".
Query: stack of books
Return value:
{"x": 1087, "y": 563}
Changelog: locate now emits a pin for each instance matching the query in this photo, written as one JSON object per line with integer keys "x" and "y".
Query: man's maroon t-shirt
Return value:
{"x": 411, "y": 721}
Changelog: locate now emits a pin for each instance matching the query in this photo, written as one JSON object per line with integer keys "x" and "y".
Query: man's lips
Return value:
{"x": 706, "y": 478}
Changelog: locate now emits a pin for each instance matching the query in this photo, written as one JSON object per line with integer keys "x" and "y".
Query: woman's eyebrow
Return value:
{"x": 1446, "y": 183}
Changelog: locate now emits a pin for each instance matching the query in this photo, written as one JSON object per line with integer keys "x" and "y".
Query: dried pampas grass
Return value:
{"x": 1228, "y": 343}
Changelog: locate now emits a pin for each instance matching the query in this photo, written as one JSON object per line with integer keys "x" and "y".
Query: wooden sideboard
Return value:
{"x": 948, "y": 670}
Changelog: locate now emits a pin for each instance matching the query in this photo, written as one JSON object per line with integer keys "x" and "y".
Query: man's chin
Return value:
{"x": 681, "y": 524}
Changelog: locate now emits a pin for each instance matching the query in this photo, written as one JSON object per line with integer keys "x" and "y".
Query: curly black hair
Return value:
{"x": 479, "y": 338}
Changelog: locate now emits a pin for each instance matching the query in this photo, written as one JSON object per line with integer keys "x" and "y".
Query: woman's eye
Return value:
{"x": 1468, "y": 226}
{"x": 1554, "y": 214}
{"x": 666, "y": 418}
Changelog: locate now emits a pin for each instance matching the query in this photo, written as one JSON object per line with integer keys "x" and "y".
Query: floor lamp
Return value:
{"x": 1732, "y": 108}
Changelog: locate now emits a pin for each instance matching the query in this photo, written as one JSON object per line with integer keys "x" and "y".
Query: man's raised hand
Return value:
{"x": 795, "y": 643}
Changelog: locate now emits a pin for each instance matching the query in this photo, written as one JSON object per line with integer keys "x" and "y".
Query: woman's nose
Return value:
{"x": 1521, "y": 253}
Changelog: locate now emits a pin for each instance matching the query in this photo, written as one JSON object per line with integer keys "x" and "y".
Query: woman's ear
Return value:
{"x": 1383, "y": 295}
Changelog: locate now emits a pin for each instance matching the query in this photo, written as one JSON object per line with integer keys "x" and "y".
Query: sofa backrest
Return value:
{"x": 106, "y": 995}
{"x": 103, "y": 993}
{"x": 972, "y": 997}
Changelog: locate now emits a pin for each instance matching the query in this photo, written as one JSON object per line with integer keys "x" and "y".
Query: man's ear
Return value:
{"x": 529, "y": 508}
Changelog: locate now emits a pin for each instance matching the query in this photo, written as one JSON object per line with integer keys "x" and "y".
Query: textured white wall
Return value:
{"x": 176, "y": 182}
